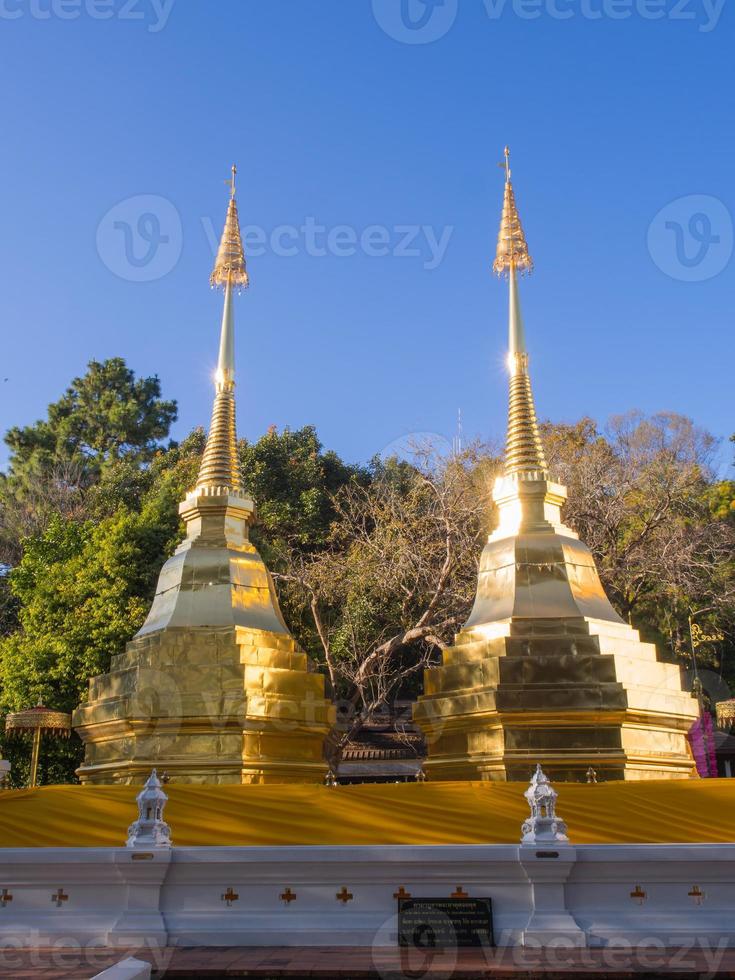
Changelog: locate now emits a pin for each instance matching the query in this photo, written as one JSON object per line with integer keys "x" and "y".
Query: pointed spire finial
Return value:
{"x": 220, "y": 471}
{"x": 229, "y": 266}
{"x": 512, "y": 251}
{"x": 524, "y": 452}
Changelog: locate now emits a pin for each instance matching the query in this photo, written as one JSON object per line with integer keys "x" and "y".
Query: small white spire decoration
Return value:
{"x": 150, "y": 830}
{"x": 331, "y": 778}
{"x": 543, "y": 826}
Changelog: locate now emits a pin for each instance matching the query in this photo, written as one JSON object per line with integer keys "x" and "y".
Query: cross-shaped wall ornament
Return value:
{"x": 59, "y": 897}
{"x": 401, "y": 893}
{"x": 344, "y": 896}
{"x": 460, "y": 893}
{"x": 5, "y": 897}
{"x": 638, "y": 895}
{"x": 697, "y": 894}
{"x": 229, "y": 897}
{"x": 288, "y": 896}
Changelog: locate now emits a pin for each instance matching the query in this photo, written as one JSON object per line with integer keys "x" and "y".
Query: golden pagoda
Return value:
{"x": 545, "y": 671}
{"x": 213, "y": 688}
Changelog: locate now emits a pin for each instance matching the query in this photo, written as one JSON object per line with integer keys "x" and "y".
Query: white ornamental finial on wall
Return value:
{"x": 150, "y": 830}
{"x": 543, "y": 826}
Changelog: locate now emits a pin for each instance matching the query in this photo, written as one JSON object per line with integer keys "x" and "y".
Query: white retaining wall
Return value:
{"x": 582, "y": 897}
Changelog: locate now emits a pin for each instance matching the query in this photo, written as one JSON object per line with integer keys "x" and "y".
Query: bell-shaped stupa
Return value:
{"x": 213, "y": 688}
{"x": 545, "y": 671}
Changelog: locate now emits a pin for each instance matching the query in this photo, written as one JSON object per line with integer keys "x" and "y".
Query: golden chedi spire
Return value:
{"x": 545, "y": 671}
{"x": 229, "y": 266}
{"x": 512, "y": 249}
{"x": 205, "y": 685}
{"x": 220, "y": 470}
{"x": 524, "y": 452}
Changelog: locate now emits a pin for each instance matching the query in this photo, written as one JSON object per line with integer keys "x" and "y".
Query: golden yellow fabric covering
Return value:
{"x": 668, "y": 811}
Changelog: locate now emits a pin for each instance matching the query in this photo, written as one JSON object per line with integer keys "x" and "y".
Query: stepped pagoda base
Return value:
{"x": 569, "y": 694}
{"x": 206, "y": 706}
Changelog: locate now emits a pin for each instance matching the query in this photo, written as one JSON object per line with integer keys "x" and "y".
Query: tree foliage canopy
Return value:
{"x": 643, "y": 496}
{"x": 105, "y": 418}
{"x": 375, "y": 565}
{"x": 105, "y": 414}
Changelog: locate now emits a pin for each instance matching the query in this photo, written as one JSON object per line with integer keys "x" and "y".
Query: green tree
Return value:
{"x": 83, "y": 589}
{"x": 396, "y": 577}
{"x": 644, "y": 497}
{"x": 107, "y": 418}
{"x": 293, "y": 481}
{"x": 84, "y": 584}
{"x": 375, "y": 566}
{"x": 722, "y": 500}
{"x": 105, "y": 414}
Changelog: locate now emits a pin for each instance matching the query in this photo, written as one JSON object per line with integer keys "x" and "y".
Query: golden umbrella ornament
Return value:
{"x": 726, "y": 713}
{"x": 39, "y": 721}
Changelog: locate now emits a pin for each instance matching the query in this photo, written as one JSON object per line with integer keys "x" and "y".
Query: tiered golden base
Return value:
{"x": 545, "y": 671}
{"x": 213, "y": 689}
{"x": 568, "y": 694}
{"x": 287, "y": 717}
{"x": 173, "y": 700}
{"x": 206, "y": 706}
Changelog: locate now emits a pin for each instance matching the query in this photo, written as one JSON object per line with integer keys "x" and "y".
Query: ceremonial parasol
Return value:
{"x": 39, "y": 721}
{"x": 726, "y": 713}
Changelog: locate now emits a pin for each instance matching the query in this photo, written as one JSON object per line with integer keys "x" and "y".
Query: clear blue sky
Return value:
{"x": 333, "y": 119}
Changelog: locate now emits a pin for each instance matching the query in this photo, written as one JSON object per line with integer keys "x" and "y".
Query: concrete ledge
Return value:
{"x": 322, "y": 896}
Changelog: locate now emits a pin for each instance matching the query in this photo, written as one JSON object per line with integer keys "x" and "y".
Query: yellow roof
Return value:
{"x": 671, "y": 811}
